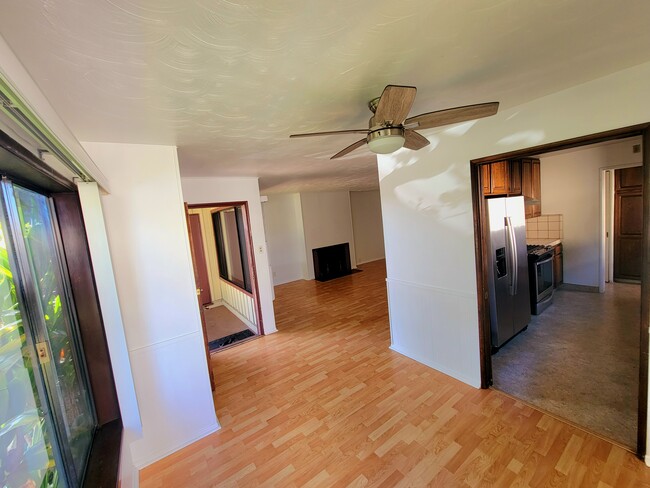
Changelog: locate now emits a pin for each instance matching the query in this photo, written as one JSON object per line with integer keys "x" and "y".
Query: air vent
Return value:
{"x": 636, "y": 148}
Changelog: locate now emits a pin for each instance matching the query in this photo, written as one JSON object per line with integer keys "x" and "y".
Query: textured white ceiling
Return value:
{"x": 228, "y": 81}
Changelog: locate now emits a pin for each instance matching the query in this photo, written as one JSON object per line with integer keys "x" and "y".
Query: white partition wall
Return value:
{"x": 367, "y": 225}
{"x": 286, "y": 237}
{"x": 149, "y": 248}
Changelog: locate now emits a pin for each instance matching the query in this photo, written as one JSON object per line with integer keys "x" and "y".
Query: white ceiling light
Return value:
{"x": 385, "y": 141}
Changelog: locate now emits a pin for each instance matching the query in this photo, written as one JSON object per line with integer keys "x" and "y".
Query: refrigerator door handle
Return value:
{"x": 514, "y": 266}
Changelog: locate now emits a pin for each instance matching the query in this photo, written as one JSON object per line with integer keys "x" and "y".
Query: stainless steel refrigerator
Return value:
{"x": 509, "y": 285}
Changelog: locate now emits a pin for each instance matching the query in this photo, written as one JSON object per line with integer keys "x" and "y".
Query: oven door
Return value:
{"x": 544, "y": 277}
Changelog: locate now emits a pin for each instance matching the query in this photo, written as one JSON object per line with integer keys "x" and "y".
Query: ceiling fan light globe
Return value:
{"x": 386, "y": 141}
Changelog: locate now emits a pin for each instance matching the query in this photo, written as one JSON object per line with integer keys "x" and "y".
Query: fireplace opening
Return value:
{"x": 332, "y": 261}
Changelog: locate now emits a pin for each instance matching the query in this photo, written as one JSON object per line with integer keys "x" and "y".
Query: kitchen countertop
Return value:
{"x": 544, "y": 242}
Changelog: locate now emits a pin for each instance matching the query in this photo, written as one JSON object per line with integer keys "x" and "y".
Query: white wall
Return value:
{"x": 215, "y": 190}
{"x": 327, "y": 220}
{"x": 367, "y": 225}
{"x": 571, "y": 186}
{"x": 428, "y": 219}
{"x": 285, "y": 236}
{"x": 149, "y": 247}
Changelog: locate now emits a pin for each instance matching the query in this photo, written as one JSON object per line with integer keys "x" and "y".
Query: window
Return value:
{"x": 231, "y": 246}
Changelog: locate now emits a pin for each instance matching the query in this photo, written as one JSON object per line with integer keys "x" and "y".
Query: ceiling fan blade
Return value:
{"x": 414, "y": 140}
{"x": 452, "y": 115}
{"x": 349, "y": 149}
{"x": 332, "y": 132}
{"x": 395, "y": 104}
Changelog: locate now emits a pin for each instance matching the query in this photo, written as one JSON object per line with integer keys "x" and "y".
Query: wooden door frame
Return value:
{"x": 255, "y": 294}
{"x": 204, "y": 328}
{"x": 482, "y": 258}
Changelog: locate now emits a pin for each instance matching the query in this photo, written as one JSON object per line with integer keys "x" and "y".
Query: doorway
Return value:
{"x": 483, "y": 262}
{"x": 225, "y": 273}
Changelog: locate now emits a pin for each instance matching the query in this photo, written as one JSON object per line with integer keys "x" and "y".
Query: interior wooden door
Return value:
{"x": 628, "y": 224}
{"x": 200, "y": 263}
{"x": 203, "y": 325}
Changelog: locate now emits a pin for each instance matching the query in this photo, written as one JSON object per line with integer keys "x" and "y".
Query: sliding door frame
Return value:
{"x": 35, "y": 327}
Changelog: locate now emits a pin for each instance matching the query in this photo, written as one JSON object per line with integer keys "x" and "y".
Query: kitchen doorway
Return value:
{"x": 225, "y": 273}
{"x": 484, "y": 263}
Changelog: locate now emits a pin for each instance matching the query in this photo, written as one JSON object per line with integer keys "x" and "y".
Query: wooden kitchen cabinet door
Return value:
{"x": 531, "y": 186}
{"x": 514, "y": 186}
{"x": 499, "y": 176}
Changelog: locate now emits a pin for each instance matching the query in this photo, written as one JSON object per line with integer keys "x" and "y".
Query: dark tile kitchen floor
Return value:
{"x": 579, "y": 360}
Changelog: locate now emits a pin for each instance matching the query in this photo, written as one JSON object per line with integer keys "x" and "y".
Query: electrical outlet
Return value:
{"x": 636, "y": 148}
{"x": 260, "y": 249}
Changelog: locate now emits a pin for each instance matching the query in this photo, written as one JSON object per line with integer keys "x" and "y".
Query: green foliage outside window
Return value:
{"x": 26, "y": 458}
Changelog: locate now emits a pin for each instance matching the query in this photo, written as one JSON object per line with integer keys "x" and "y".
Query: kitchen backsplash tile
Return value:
{"x": 545, "y": 227}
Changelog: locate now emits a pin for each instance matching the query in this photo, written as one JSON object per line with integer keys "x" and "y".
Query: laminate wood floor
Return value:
{"x": 325, "y": 403}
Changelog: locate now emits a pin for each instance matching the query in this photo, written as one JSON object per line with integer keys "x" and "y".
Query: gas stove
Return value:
{"x": 537, "y": 250}
{"x": 540, "y": 272}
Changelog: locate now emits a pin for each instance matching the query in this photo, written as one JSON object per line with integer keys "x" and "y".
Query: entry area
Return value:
{"x": 224, "y": 269}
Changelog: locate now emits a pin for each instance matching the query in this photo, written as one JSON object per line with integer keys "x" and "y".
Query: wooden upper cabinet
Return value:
{"x": 537, "y": 180}
{"x": 500, "y": 178}
{"x": 526, "y": 178}
{"x": 513, "y": 178}
{"x": 496, "y": 178}
{"x": 531, "y": 187}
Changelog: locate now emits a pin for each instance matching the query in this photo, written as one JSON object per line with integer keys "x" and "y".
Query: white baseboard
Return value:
{"x": 372, "y": 260}
{"x": 214, "y": 304}
{"x": 157, "y": 456}
{"x": 438, "y": 367}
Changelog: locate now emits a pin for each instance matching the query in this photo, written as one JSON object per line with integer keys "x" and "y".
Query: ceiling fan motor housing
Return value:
{"x": 386, "y": 140}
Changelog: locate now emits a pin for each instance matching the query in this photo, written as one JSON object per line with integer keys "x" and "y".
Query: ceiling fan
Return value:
{"x": 389, "y": 129}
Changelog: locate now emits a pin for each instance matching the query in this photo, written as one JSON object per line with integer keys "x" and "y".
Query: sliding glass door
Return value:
{"x": 46, "y": 413}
